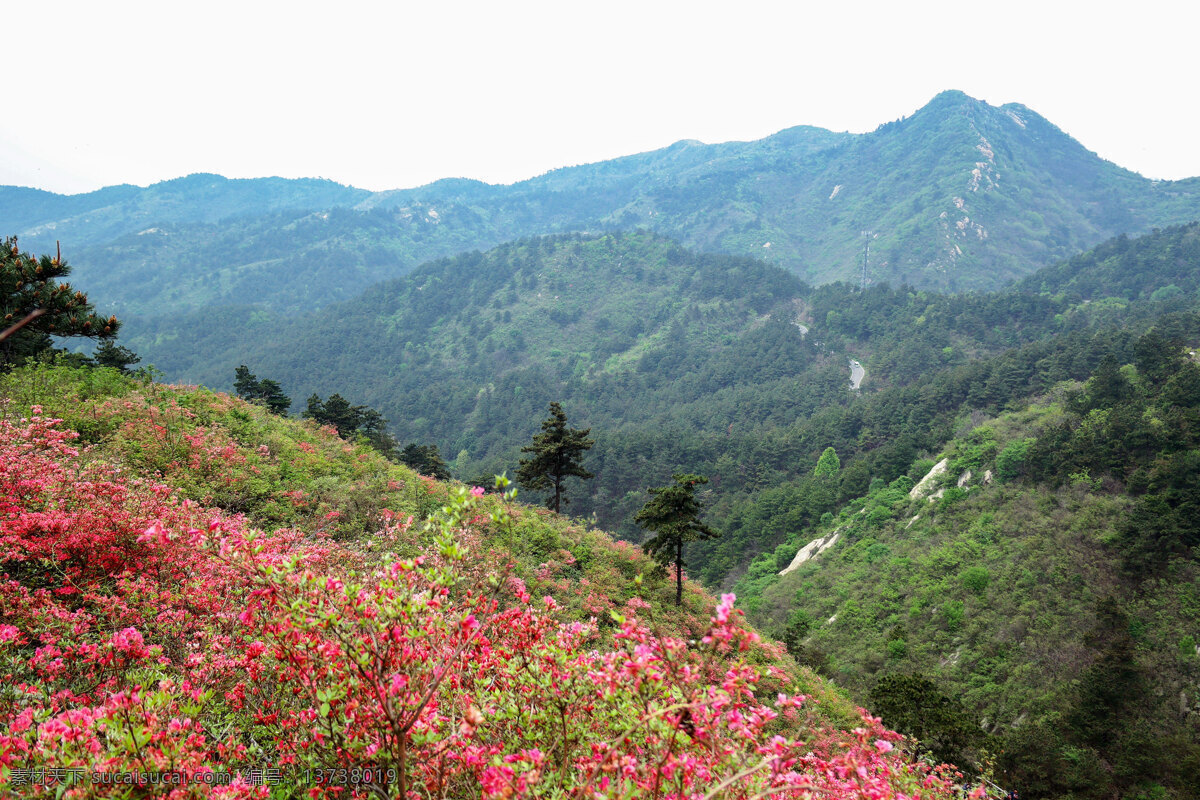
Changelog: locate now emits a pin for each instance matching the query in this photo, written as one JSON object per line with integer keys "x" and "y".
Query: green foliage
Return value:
{"x": 555, "y": 455}
{"x": 1187, "y": 647}
{"x": 996, "y": 595}
{"x": 951, "y": 496}
{"x": 110, "y": 354}
{"x": 32, "y": 298}
{"x": 671, "y": 359}
{"x": 1010, "y": 462}
{"x": 351, "y": 421}
{"x": 913, "y": 704}
{"x": 673, "y": 514}
{"x": 973, "y": 452}
{"x": 265, "y": 392}
{"x": 953, "y": 612}
{"x": 975, "y": 579}
{"x": 828, "y": 464}
{"x": 426, "y": 460}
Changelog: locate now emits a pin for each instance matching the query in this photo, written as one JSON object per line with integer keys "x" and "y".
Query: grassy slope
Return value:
{"x": 997, "y": 591}
{"x": 222, "y": 452}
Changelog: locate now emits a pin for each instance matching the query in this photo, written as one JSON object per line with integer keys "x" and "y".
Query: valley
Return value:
{"x": 940, "y": 378}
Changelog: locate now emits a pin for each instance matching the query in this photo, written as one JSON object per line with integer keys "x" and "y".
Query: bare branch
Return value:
{"x": 30, "y": 317}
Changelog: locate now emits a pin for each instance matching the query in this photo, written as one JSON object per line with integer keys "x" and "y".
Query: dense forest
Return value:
{"x": 961, "y": 195}
{"x": 1059, "y": 540}
{"x": 992, "y": 541}
{"x": 683, "y": 361}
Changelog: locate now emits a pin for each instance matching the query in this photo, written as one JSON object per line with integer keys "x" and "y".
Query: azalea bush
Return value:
{"x": 152, "y": 645}
{"x": 223, "y": 452}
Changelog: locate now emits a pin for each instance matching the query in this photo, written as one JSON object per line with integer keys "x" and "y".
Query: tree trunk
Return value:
{"x": 679, "y": 571}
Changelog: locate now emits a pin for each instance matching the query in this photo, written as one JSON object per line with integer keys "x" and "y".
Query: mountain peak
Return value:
{"x": 952, "y": 101}
{"x": 951, "y": 96}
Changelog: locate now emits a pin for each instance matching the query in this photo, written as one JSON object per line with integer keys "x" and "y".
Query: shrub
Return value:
{"x": 1010, "y": 463}
{"x": 975, "y": 579}
{"x": 952, "y": 614}
{"x": 150, "y": 634}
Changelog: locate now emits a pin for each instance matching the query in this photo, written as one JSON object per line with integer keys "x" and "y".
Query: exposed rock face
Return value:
{"x": 812, "y": 550}
{"x": 923, "y": 486}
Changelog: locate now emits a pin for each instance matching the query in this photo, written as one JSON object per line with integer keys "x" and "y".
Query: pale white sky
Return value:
{"x": 390, "y": 95}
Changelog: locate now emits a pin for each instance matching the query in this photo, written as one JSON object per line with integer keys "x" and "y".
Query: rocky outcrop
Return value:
{"x": 924, "y": 486}
{"x": 812, "y": 550}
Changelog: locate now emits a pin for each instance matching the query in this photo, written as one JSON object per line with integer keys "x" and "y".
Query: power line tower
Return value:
{"x": 866, "y": 258}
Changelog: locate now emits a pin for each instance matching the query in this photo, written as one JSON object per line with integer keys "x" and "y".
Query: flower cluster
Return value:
{"x": 143, "y": 633}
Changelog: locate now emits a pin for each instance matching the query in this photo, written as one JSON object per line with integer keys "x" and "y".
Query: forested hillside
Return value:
{"x": 960, "y": 195}
{"x": 1052, "y": 597}
{"x": 681, "y": 361}
{"x": 463, "y": 349}
{"x": 1035, "y": 597}
{"x": 380, "y": 634}
{"x": 1037, "y": 610}
{"x": 991, "y": 540}
{"x": 922, "y": 403}
{"x": 1046, "y": 579}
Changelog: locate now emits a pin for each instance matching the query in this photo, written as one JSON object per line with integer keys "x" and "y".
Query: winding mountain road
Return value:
{"x": 857, "y": 373}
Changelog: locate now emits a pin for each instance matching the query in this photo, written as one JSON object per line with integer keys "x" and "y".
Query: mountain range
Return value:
{"x": 991, "y": 540}
{"x": 960, "y": 195}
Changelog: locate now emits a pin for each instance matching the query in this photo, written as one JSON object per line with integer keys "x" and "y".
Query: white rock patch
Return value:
{"x": 923, "y": 486}
{"x": 811, "y": 551}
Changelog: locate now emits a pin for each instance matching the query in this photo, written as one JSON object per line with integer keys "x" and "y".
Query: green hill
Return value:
{"x": 199, "y": 593}
{"x": 1040, "y": 614}
{"x": 1037, "y": 599}
{"x": 677, "y": 360}
{"x": 961, "y": 195}
{"x": 1047, "y": 580}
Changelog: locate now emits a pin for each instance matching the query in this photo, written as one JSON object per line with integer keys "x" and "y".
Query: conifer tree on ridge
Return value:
{"x": 673, "y": 513}
{"x": 556, "y": 453}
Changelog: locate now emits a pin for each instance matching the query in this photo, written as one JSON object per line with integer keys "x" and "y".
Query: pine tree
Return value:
{"x": 34, "y": 306}
{"x": 264, "y": 393}
{"x": 828, "y": 463}
{"x": 245, "y": 384}
{"x": 426, "y": 460}
{"x": 113, "y": 355}
{"x": 335, "y": 411}
{"x": 271, "y": 395}
{"x": 673, "y": 513}
{"x": 556, "y": 453}
{"x": 352, "y": 421}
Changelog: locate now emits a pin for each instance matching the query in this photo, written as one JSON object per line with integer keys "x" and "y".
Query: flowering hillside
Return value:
{"x": 199, "y": 600}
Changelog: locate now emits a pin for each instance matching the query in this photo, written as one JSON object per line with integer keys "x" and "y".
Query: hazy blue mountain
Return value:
{"x": 40, "y": 217}
{"x": 961, "y": 195}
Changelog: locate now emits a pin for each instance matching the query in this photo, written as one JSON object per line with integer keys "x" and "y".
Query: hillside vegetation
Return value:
{"x": 961, "y": 195}
{"x": 386, "y": 638}
{"x": 992, "y": 541}
{"x": 1047, "y": 579}
{"x": 679, "y": 361}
